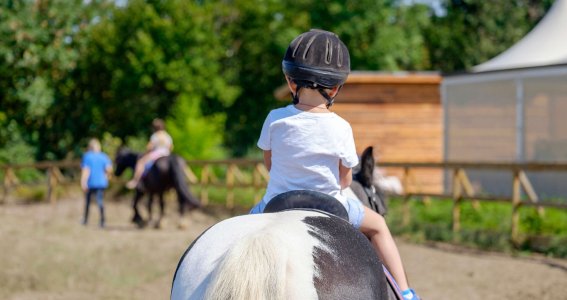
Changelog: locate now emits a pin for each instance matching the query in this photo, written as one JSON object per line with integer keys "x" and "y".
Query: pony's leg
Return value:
{"x": 150, "y": 206}
{"x": 181, "y": 205}
{"x": 159, "y": 221}
{"x": 137, "y": 218}
{"x": 161, "y": 206}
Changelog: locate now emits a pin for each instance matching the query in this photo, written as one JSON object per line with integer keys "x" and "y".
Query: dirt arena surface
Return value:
{"x": 47, "y": 254}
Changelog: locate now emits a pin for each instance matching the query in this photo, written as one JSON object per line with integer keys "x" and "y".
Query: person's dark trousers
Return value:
{"x": 99, "y": 194}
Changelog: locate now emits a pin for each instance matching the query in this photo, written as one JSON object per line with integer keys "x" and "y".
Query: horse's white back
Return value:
{"x": 199, "y": 268}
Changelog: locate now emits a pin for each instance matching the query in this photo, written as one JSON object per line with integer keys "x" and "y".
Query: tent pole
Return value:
{"x": 520, "y": 121}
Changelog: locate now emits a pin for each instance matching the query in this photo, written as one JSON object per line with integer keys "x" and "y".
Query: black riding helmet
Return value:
{"x": 317, "y": 59}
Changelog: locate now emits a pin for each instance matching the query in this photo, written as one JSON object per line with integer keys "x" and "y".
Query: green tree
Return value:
{"x": 155, "y": 59}
{"x": 381, "y": 35}
{"x": 474, "y": 31}
{"x": 37, "y": 51}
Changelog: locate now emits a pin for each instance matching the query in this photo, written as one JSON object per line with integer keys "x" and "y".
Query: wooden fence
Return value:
{"x": 255, "y": 176}
{"x": 462, "y": 189}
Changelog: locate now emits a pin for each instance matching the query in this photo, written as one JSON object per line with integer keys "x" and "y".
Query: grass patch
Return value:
{"x": 243, "y": 197}
{"x": 486, "y": 226}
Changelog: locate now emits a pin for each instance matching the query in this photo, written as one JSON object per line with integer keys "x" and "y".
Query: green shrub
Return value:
{"x": 486, "y": 225}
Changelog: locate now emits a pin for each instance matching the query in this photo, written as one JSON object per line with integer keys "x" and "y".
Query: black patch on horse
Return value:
{"x": 352, "y": 270}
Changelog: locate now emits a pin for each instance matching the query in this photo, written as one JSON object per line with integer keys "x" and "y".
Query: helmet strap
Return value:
{"x": 295, "y": 97}
{"x": 329, "y": 99}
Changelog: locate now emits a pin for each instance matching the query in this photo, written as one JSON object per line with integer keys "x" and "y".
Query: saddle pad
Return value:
{"x": 305, "y": 199}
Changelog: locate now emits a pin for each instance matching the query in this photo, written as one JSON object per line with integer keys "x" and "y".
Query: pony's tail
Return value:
{"x": 184, "y": 195}
{"x": 255, "y": 268}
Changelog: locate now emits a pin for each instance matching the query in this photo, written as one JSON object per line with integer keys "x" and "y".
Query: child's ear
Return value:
{"x": 334, "y": 91}
{"x": 292, "y": 86}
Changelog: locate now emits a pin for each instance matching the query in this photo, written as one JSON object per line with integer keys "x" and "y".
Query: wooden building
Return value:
{"x": 400, "y": 114}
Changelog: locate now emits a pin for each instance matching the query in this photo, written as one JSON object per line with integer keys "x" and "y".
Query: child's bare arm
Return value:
{"x": 85, "y": 172}
{"x": 268, "y": 159}
{"x": 345, "y": 176}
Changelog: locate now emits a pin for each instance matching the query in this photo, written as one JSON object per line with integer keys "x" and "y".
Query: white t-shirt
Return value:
{"x": 306, "y": 150}
{"x": 161, "y": 139}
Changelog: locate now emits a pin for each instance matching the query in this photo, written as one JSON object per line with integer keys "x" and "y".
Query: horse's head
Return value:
{"x": 124, "y": 159}
{"x": 365, "y": 173}
{"x": 364, "y": 187}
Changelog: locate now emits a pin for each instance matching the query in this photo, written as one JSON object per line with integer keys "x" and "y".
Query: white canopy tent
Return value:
{"x": 513, "y": 107}
{"x": 545, "y": 45}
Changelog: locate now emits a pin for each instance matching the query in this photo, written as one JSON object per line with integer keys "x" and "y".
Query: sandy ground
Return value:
{"x": 47, "y": 254}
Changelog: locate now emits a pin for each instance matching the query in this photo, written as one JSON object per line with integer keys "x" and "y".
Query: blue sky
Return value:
{"x": 435, "y": 4}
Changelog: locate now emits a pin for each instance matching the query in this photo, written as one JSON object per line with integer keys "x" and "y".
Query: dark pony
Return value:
{"x": 166, "y": 173}
{"x": 363, "y": 185}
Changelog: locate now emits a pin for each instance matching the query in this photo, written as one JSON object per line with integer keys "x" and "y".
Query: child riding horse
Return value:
{"x": 166, "y": 173}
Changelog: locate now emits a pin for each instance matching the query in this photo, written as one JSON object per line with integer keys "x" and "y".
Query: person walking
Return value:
{"x": 96, "y": 167}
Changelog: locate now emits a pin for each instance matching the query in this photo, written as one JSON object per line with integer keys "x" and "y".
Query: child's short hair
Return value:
{"x": 158, "y": 124}
{"x": 94, "y": 145}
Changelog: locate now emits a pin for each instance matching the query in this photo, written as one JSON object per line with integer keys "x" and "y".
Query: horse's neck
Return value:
{"x": 132, "y": 159}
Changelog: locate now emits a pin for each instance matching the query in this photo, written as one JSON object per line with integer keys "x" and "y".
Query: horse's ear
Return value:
{"x": 368, "y": 156}
{"x": 365, "y": 174}
{"x": 122, "y": 148}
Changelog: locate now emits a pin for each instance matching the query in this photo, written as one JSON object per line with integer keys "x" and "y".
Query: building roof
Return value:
{"x": 545, "y": 45}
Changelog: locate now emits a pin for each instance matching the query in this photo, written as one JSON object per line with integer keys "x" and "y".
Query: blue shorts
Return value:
{"x": 354, "y": 208}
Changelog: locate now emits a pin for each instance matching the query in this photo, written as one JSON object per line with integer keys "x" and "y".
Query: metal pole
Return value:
{"x": 445, "y": 108}
{"x": 520, "y": 121}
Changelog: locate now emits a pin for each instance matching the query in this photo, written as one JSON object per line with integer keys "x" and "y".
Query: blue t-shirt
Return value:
{"x": 97, "y": 162}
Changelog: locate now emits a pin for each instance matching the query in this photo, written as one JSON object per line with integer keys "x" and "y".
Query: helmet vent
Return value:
{"x": 308, "y": 46}
{"x": 297, "y": 46}
{"x": 339, "y": 57}
{"x": 329, "y": 52}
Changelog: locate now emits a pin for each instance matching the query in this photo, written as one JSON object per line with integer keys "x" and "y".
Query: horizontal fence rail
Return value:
{"x": 231, "y": 174}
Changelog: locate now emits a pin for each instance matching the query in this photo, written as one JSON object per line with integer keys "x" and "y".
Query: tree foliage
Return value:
{"x": 72, "y": 69}
{"x": 379, "y": 34}
{"x": 155, "y": 59}
{"x": 474, "y": 31}
{"x": 38, "y": 50}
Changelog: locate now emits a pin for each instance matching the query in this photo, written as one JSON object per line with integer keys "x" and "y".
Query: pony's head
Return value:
{"x": 364, "y": 186}
{"x": 124, "y": 159}
{"x": 365, "y": 172}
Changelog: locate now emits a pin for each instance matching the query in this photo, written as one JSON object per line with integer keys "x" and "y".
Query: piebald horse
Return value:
{"x": 305, "y": 253}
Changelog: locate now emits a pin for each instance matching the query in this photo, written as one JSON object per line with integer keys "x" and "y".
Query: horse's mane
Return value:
{"x": 265, "y": 268}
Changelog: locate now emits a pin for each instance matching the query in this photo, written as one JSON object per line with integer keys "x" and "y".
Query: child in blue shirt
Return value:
{"x": 95, "y": 169}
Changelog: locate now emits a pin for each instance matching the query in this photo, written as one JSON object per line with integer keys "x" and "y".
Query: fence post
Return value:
{"x": 406, "y": 214}
{"x": 51, "y": 185}
{"x": 516, "y": 203}
{"x": 257, "y": 181}
{"x": 529, "y": 189}
{"x": 9, "y": 180}
{"x": 205, "y": 184}
{"x": 456, "y": 202}
{"x": 467, "y": 187}
{"x": 230, "y": 186}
